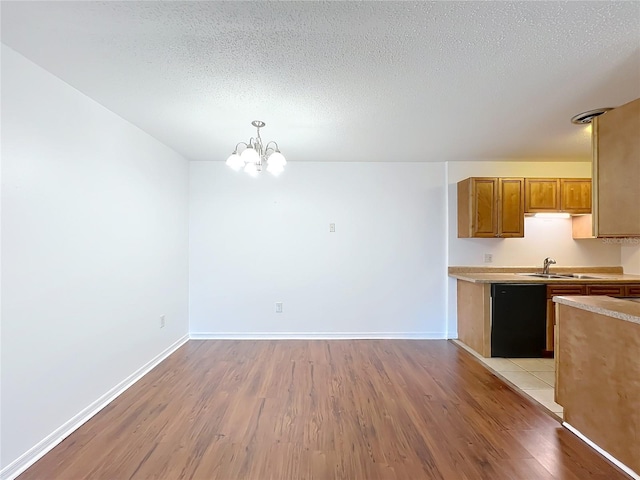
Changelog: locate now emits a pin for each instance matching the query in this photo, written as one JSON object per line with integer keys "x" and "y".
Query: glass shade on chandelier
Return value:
{"x": 255, "y": 155}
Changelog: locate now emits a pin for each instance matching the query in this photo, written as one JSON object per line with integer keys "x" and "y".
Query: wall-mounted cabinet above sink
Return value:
{"x": 557, "y": 195}
{"x": 495, "y": 207}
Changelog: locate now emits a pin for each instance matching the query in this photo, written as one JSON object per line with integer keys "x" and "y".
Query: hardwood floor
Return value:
{"x": 366, "y": 409}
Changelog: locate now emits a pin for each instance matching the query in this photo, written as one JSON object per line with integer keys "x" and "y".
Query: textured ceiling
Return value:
{"x": 344, "y": 81}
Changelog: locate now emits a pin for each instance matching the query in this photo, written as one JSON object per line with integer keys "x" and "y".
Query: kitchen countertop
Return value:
{"x": 620, "y": 308}
{"x": 605, "y": 275}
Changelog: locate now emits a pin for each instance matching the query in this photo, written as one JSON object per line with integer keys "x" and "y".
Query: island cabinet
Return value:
{"x": 598, "y": 373}
{"x": 491, "y": 207}
{"x": 616, "y": 172}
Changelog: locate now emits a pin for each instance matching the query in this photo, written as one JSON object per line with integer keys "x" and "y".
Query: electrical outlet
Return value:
{"x": 278, "y": 307}
{"x": 162, "y": 321}
{"x": 488, "y": 258}
{"x": 332, "y": 227}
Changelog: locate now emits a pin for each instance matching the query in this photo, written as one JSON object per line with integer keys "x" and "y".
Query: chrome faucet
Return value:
{"x": 547, "y": 263}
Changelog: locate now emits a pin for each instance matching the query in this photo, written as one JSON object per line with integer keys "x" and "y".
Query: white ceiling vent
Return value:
{"x": 587, "y": 117}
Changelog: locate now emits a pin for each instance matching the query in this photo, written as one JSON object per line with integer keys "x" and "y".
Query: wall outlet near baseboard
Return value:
{"x": 162, "y": 321}
{"x": 488, "y": 258}
{"x": 278, "y": 307}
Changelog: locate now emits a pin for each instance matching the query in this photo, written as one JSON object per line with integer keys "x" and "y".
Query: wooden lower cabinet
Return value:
{"x": 474, "y": 310}
{"x": 556, "y": 290}
{"x": 632, "y": 291}
{"x": 610, "y": 290}
{"x": 474, "y": 316}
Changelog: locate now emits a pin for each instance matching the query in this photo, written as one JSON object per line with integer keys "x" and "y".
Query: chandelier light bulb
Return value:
{"x": 235, "y": 162}
{"x": 250, "y": 155}
{"x": 274, "y": 169}
{"x": 251, "y": 169}
{"x": 276, "y": 158}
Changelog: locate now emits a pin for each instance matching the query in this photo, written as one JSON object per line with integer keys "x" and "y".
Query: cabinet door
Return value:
{"x": 477, "y": 207}
{"x": 575, "y": 195}
{"x": 557, "y": 290}
{"x": 632, "y": 291}
{"x": 510, "y": 208}
{"x": 484, "y": 198}
{"x": 609, "y": 290}
{"x": 541, "y": 195}
{"x": 616, "y": 172}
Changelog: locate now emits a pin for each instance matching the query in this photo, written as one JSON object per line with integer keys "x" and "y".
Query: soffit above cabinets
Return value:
{"x": 344, "y": 81}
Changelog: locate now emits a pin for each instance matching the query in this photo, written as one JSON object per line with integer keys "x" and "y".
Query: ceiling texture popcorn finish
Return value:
{"x": 345, "y": 81}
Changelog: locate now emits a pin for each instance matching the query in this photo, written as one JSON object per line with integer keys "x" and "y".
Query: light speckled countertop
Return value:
{"x": 620, "y": 308}
{"x": 515, "y": 278}
{"x": 511, "y": 275}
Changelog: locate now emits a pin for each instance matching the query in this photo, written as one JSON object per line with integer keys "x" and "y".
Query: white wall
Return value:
{"x": 257, "y": 241}
{"x": 94, "y": 250}
{"x": 630, "y": 253}
{"x": 543, "y": 237}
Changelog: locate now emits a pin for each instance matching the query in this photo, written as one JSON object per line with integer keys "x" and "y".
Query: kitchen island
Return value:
{"x": 598, "y": 373}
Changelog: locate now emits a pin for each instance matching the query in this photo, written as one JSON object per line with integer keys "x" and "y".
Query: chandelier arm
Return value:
{"x": 235, "y": 150}
{"x": 277, "y": 149}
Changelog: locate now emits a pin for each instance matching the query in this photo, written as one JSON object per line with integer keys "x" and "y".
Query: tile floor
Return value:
{"x": 533, "y": 376}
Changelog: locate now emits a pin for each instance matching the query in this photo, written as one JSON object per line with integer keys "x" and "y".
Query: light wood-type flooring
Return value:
{"x": 341, "y": 409}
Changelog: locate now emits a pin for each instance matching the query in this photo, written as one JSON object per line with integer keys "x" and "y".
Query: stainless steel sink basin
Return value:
{"x": 565, "y": 276}
{"x": 542, "y": 275}
{"x": 578, "y": 275}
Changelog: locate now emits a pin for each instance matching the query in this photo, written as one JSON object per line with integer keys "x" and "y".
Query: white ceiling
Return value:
{"x": 344, "y": 81}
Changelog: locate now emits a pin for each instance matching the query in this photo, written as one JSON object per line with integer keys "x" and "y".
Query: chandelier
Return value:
{"x": 255, "y": 155}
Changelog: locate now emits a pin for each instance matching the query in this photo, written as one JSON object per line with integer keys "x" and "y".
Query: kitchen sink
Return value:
{"x": 578, "y": 275}
{"x": 561, "y": 275}
{"x": 542, "y": 275}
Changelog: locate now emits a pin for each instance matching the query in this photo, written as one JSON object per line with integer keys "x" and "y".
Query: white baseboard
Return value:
{"x": 36, "y": 452}
{"x": 602, "y": 452}
{"x": 316, "y": 335}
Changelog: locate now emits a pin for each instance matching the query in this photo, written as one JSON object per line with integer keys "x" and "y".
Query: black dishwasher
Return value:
{"x": 518, "y": 320}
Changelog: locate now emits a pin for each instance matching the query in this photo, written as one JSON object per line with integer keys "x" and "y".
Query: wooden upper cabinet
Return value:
{"x": 550, "y": 195}
{"x": 541, "y": 195}
{"x": 582, "y": 226}
{"x": 510, "y": 207}
{"x": 616, "y": 172}
{"x": 477, "y": 214}
{"x": 490, "y": 207}
{"x": 575, "y": 195}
